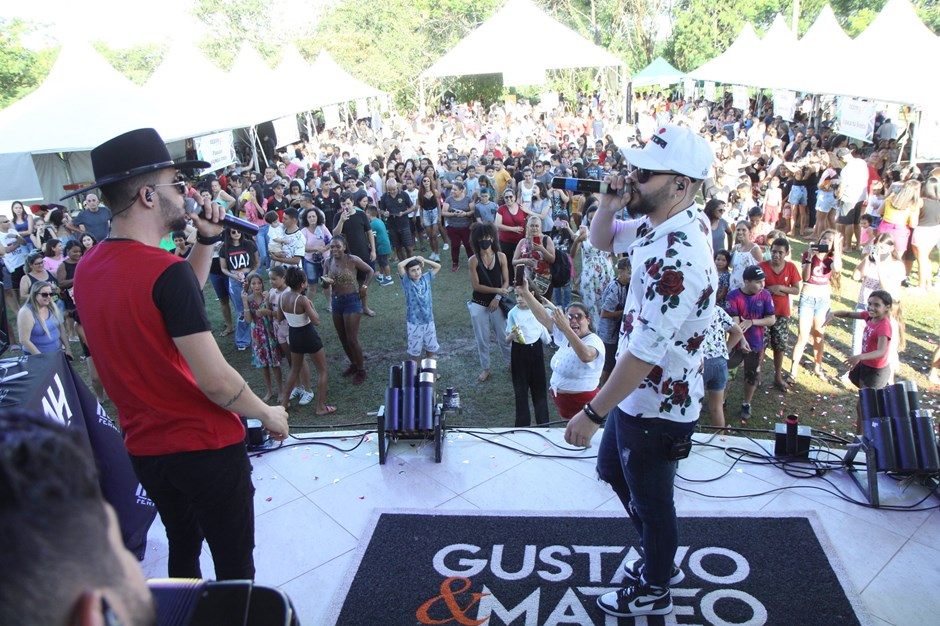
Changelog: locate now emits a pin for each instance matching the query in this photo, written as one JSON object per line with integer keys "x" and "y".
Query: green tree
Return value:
{"x": 21, "y": 69}
{"x": 137, "y": 62}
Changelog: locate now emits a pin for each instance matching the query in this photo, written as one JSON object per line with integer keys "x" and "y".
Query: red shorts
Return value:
{"x": 570, "y": 403}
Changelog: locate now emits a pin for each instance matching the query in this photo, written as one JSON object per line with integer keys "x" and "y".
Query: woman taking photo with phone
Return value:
{"x": 822, "y": 267}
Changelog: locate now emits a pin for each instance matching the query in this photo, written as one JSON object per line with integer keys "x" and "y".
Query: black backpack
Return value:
{"x": 561, "y": 269}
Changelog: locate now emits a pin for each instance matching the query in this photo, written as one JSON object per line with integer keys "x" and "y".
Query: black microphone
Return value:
{"x": 228, "y": 220}
{"x": 588, "y": 185}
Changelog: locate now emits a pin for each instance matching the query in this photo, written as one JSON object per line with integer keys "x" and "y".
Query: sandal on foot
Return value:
{"x": 483, "y": 377}
{"x": 326, "y": 411}
{"x": 781, "y": 386}
{"x": 349, "y": 371}
{"x": 226, "y": 332}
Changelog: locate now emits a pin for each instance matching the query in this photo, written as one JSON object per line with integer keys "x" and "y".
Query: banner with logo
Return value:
{"x": 927, "y": 147}
{"x": 45, "y": 384}
{"x": 739, "y": 98}
{"x": 709, "y": 89}
{"x": 855, "y": 118}
{"x": 785, "y": 103}
{"x": 287, "y": 130}
{"x": 218, "y": 149}
{"x": 549, "y": 100}
{"x": 331, "y": 116}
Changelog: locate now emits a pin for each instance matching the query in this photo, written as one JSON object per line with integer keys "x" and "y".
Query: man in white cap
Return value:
{"x": 652, "y": 399}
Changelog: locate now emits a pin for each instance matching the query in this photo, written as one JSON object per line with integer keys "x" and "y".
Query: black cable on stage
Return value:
{"x": 480, "y": 435}
{"x": 316, "y": 441}
{"x": 794, "y": 467}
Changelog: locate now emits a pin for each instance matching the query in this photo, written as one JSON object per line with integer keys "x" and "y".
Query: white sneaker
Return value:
{"x": 435, "y": 257}
{"x": 296, "y": 393}
{"x": 447, "y": 246}
{"x": 306, "y": 397}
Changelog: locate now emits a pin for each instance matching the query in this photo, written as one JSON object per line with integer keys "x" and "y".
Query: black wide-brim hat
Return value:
{"x": 134, "y": 153}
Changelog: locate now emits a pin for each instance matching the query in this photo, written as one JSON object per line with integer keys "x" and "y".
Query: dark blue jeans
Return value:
{"x": 205, "y": 494}
{"x": 632, "y": 459}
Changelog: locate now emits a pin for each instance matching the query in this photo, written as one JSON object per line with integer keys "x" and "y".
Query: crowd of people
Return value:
{"x": 713, "y": 201}
{"x": 343, "y": 210}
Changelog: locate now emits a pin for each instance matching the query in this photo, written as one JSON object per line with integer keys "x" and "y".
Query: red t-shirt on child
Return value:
{"x": 874, "y": 330}
{"x": 788, "y": 277}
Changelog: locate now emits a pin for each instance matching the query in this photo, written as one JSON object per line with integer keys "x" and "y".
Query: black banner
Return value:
{"x": 47, "y": 384}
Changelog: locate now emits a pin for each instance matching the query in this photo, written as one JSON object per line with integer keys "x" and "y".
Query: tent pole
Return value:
{"x": 421, "y": 102}
{"x": 254, "y": 148}
{"x": 915, "y": 137}
{"x": 258, "y": 141}
{"x": 625, "y": 88}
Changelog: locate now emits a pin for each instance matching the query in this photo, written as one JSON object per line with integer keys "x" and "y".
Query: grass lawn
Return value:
{"x": 829, "y": 407}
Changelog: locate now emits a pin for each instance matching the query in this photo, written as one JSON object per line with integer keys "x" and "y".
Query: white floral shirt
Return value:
{"x": 669, "y": 308}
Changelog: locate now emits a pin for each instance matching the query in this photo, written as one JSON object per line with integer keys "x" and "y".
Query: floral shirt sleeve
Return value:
{"x": 669, "y": 308}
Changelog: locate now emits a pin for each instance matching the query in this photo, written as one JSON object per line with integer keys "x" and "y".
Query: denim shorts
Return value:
{"x": 825, "y": 201}
{"x": 347, "y": 304}
{"x": 429, "y": 217}
{"x": 313, "y": 270}
{"x": 797, "y": 195}
{"x": 811, "y": 305}
{"x": 716, "y": 373}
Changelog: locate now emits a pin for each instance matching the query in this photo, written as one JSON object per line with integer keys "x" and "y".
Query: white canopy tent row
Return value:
{"x": 475, "y": 54}
{"x": 826, "y": 61}
{"x": 84, "y": 101}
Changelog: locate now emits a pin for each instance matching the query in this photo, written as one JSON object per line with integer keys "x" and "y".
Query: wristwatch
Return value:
{"x": 593, "y": 415}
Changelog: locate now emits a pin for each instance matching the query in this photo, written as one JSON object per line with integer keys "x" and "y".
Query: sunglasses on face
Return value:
{"x": 574, "y": 317}
{"x": 180, "y": 185}
{"x": 643, "y": 175}
{"x": 45, "y": 294}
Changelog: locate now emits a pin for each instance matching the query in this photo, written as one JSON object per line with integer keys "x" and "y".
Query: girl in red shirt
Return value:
{"x": 870, "y": 367}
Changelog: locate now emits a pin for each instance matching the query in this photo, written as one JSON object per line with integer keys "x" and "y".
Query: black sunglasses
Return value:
{"x": 643, "y": 175}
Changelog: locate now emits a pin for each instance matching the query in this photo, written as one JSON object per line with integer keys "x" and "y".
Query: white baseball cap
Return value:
{"x": 674, "y": 149}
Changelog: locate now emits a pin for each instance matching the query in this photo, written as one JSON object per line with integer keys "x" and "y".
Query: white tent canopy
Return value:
{"x": 476, "y": 54}
{"x": 734, "y": 64}
{"x": 778, "y": 39}
{"x": 82, "y": 102}
{"x": 337, "y": 85}
{"x": 826, "y": 61}
{"x": 183, "y": 64}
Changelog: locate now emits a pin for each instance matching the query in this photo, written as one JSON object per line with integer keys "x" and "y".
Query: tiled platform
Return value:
{"x": 314, "y": 503}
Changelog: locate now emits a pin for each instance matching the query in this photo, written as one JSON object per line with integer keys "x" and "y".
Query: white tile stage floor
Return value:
{"x": 313, "y": 505}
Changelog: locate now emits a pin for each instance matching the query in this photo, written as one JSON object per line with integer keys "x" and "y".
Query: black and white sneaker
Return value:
{"x": 745, "y": 413}
{"x": 634, "y": 569}
{"x": 636, "y": 600}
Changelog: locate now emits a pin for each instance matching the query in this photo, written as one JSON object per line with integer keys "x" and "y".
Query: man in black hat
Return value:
{"x": 178, "y": 399}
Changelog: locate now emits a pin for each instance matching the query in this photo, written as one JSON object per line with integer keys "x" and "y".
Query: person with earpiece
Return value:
{"x": 651, "y": 401}
{"x": 178, "y": 399}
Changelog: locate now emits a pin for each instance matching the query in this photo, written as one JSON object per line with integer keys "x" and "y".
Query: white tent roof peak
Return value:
{"x": 293, "y": 65}
{"x": 476, "y": 54}
{"x": 249, "y": 63}
{"x": 899, "y": 19}
{"x": 83, "y": 88}
{"x": 778, "y": 35}
{"x": 182, "y": 60}
{"x": 733, "y": 66}
{"x": 825, "y": 33}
